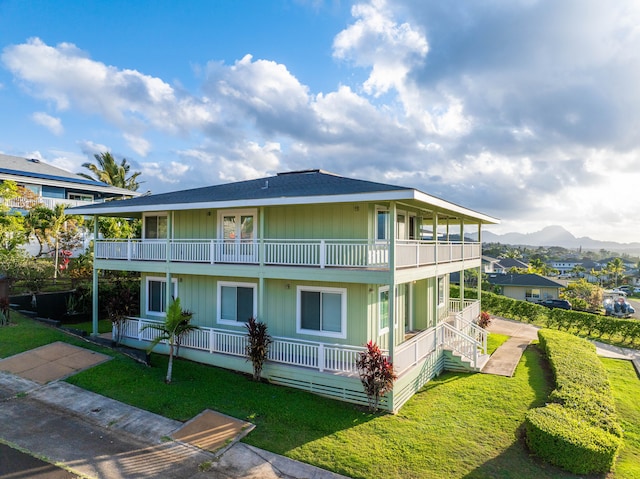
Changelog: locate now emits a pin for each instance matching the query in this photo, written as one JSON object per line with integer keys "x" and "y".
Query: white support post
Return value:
{"x": 212, "y": 251}
{"x": 94, "y": 302}
{"x": 129, "y": 253}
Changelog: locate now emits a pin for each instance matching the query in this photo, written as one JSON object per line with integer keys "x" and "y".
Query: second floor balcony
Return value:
{"x": 28, "y": 202}
{"x": 290, "y": 252}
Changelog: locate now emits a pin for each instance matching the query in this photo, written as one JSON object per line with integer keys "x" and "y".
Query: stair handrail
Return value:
{"x": 477, "y": 330}
{"x": 463, "y": 336}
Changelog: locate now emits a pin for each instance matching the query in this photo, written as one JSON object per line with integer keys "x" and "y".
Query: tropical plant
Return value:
{"x": 616, "y": 268}
{"x": 257, "y": 345}
{"x": 176, "y": 325}
{"x": 4, "y": 311}
{"x": 108, "y": 171}
{"x": 376, "y": 374}
{"x": 484, "y": 320}
{"x": 119, "y": 305}
{"x": 12, "y": 230}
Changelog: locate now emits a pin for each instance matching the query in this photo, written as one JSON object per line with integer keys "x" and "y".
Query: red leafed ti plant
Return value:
{"x": 484, "y": 320}
{"x": 376, "y": 374}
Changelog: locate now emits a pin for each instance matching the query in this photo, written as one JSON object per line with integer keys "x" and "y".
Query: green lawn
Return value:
{"x": 457, "y": 426}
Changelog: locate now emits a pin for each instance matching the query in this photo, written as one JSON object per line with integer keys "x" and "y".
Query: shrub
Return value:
{"x": 579, "y": 430}
{"x": 376, "y": 374}
{"x": 484, "y": 320}
{"x": 561, "y": 438}
{"x": 257, "y": 345}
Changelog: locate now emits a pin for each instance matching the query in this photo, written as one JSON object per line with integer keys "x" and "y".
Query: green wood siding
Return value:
{"x": 195, "y": 224}
{"x": 344, "y": 221}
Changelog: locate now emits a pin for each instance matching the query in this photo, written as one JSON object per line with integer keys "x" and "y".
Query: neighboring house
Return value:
{"x": 564, "y": 267}
{"x": 505, "y": 265}
{"x": 328, "y": 263}
{"x": 489, "y": 264}
{"x": 526, "y": 287}
{"x": 45, "y": 184}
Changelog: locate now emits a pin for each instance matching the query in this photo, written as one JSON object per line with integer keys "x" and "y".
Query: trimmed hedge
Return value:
{"x": 560, "y": 437}
{"x": 594, "y": 325}
{"x": 579, "y": 430}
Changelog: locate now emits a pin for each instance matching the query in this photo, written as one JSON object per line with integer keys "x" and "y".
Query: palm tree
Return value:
{"x": 108, "y": 171}
{"x": 176, "y": 325}
{"x": 616, "y": 267}
{"x": 536, "y": 265}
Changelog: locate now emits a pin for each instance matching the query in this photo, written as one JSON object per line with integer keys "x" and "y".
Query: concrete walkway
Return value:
{"x": 97, "y": 437}
{"x": 505, "y": 359}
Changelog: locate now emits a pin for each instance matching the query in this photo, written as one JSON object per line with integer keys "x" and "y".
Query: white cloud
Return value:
{"x": 526, "y": 110}
{"x": 51, "y": 123}
{"x": 375, "y": 40}
{"x": 137, "y": 144}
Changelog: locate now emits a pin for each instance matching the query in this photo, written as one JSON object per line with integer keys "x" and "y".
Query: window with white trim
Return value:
{"x": 157, "y": 295}
{"x": 382, "y": 224}
{"x": 383, "y": 309}
{"x": 237, "y": 302}
{"x": 155, "y": 226}
{"x": 322, "y": 311}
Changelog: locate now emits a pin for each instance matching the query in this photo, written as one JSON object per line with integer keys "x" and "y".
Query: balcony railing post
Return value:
{"x": 212, "y": 251}
{"x": 321, "y": 354}
{"x": 323, "y": 254}
{"x": 128, "y": 250}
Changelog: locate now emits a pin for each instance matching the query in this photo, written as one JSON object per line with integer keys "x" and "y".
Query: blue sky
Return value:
{"x": 527, "y": 110}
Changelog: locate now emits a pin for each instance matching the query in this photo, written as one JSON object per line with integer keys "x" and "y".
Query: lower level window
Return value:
{"x": 322, "y": 311}
{"x": 236, "y": 302}
{"x": 157, "y": 295}
{"x": 532, "y": 294}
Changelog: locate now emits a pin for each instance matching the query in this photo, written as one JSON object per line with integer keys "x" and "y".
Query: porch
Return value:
{"x": 459, "y": 334}
{"x": 289, "y": 252}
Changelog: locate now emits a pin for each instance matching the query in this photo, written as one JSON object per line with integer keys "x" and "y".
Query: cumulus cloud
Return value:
{"x": 51, "y": 123}
{"x": 525, "y": 110}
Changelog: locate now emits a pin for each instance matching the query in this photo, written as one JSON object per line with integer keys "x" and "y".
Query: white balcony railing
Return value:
{"x": 288, "y": 252}
{"x": 25, "y": 203}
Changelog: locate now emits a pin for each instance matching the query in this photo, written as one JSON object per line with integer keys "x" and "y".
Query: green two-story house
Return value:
{"x": 327, "y": 262}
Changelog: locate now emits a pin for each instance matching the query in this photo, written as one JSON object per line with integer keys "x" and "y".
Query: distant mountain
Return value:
{"x": 557, "y": 236}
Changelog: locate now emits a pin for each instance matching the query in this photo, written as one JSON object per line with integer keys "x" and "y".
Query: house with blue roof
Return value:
{"x": 327, "y": 262}
{"x": 42, "y": 183}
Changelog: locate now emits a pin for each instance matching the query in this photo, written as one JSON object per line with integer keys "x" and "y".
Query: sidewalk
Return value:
{"x": 98, "y": 437}
{"x": 505, "y": 359}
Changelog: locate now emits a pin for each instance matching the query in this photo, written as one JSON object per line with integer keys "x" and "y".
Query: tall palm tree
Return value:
{"x": 112, "y": 173}
{"x": 176, "y": 325}
{"x": 616, "y": 267}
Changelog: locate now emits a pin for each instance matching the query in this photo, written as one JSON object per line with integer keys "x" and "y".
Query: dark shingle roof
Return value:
{"x": 39, "y": 170}
{"x": 297, "y": 187}
{"x": 283, "y": 185}
{"x": 508, "y": 263}
{"x": 523, "y": 280}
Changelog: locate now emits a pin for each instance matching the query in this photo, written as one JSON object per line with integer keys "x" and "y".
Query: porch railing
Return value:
{"x": 289, "y": 252}
{"x": 316, "y": 355}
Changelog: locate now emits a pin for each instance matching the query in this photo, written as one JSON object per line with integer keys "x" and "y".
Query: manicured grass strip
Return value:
{"x": 459, "y": 425}
{"x": 626, "y": 391}
{"x": 104, "y": 326}
{"x": 494, "y": 341}
{"x": 25, "y": 333}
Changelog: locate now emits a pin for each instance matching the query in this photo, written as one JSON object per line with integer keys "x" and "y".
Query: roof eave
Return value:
{"x": 396, "y": 195}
